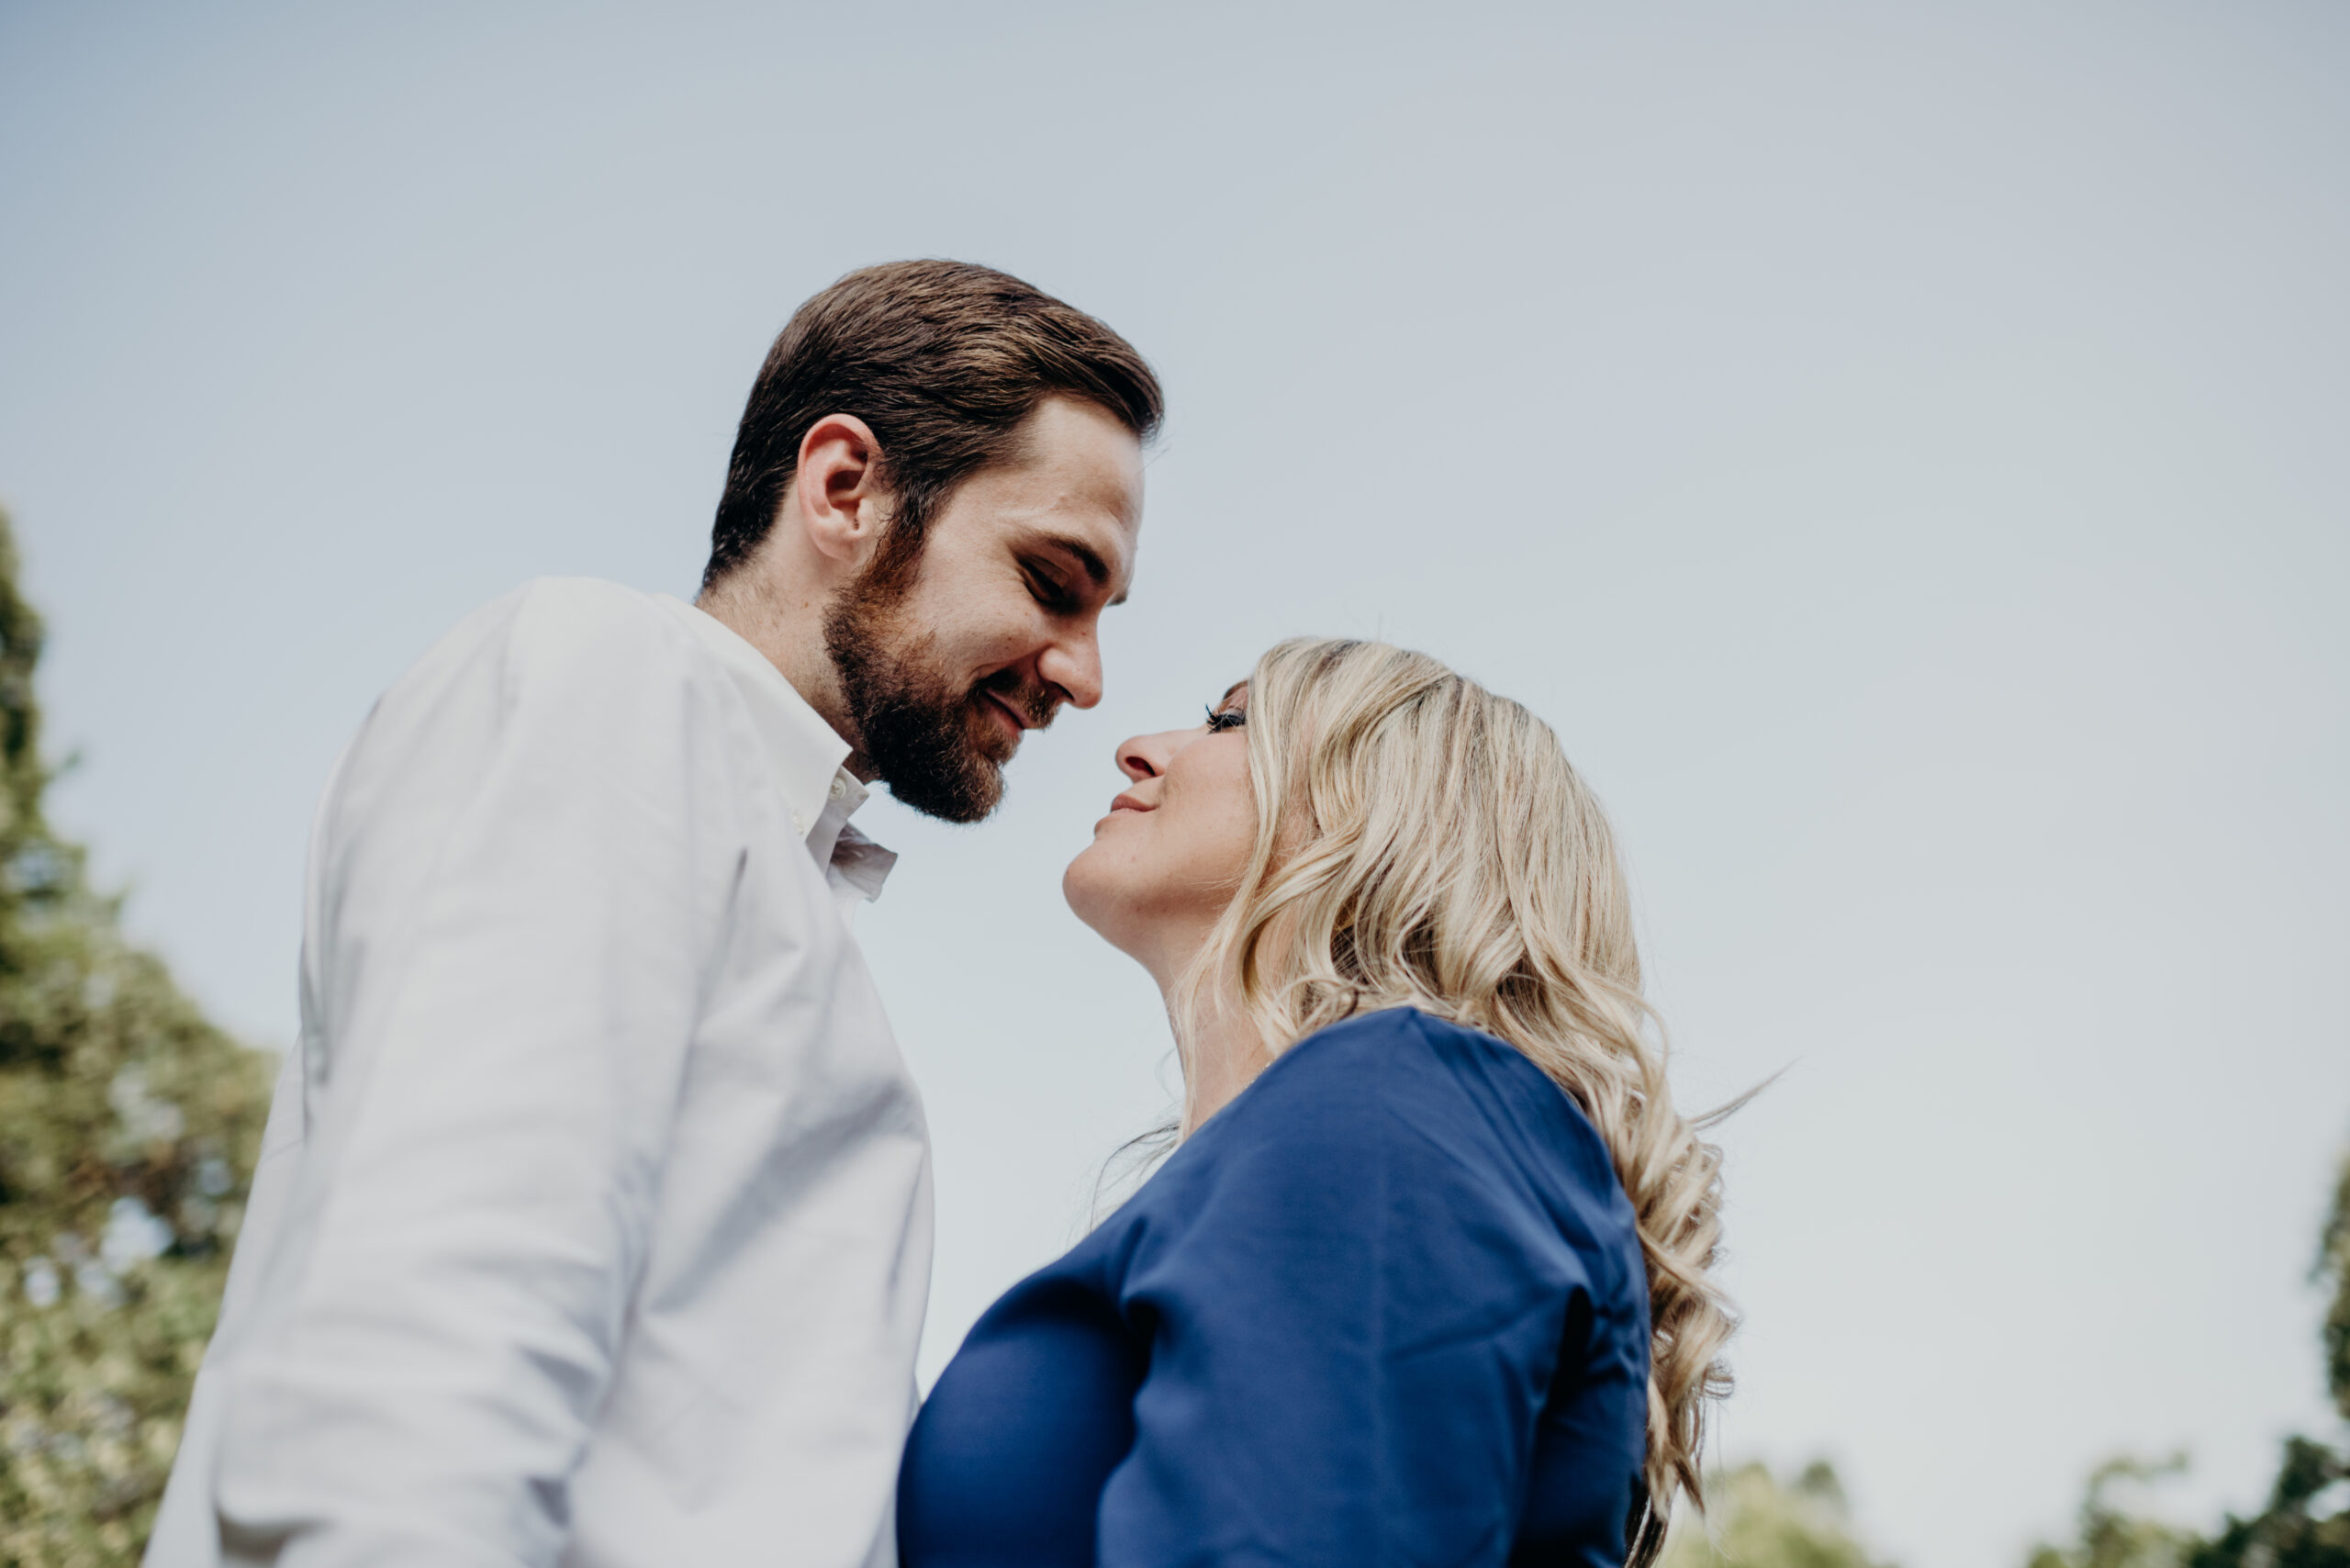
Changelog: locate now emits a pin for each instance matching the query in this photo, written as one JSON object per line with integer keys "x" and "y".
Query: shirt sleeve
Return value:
{"x": 526, "y": 866}
{"x": 1353, "y": 1324}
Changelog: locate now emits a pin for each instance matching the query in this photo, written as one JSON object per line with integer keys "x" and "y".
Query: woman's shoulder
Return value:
{"x": 1400, "y": 1036}
{"x": 1401, "y": 1132}
{"x": 1400, "y": 1062}
{"x": 1403, "y": 1081}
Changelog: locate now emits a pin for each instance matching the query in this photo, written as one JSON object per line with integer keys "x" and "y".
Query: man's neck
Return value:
{"x": 788, "y": 631}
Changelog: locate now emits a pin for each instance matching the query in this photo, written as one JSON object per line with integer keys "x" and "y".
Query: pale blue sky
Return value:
{"x": 1900, "y": 448}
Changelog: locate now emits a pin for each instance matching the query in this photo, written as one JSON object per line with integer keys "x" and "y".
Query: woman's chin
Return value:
{"x": 1077, "y": 890}
{"x": 1092, "y": 897}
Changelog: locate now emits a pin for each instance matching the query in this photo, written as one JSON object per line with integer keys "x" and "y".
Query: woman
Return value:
{"x": 1396, "y": 1298}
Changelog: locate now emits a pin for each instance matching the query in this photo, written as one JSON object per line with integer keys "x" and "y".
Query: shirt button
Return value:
{"x": 840, "y": 786}
{"x": 797, "y": 824}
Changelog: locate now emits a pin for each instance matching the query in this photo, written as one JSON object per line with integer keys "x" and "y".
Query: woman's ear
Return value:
{"x": 837, "y": 497}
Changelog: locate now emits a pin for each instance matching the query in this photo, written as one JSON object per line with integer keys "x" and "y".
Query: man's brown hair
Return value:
{"x": 942, "y": 359}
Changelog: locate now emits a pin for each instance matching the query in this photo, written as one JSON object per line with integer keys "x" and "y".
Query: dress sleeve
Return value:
{"x": 1353, "y": 1321}
{"x": 525, "y": 869}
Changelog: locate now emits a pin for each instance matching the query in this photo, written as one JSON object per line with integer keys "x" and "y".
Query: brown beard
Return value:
{"x": 940, "y": 750}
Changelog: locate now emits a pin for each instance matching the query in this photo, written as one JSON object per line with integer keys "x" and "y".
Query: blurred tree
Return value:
{"x": 1752, "y": 1521}
{"x": 2334, "y": 1263}
{"x": 2307, "y": 1521}
{"x": 2113, "y": 1538}
{"x": 128, "y": 1130}
{"x": 2306, "y": 1524}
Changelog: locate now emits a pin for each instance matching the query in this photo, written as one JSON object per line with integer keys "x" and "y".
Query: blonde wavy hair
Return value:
{"x": 1423, "y": 842}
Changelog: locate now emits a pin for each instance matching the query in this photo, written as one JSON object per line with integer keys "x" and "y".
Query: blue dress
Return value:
{"x": 1387, "y": 1307}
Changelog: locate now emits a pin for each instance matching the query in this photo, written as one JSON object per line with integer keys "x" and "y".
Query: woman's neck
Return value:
{"x": 1221, "y": 1055}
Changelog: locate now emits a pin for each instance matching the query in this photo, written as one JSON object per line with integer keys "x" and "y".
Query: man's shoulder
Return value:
{"x": 586, "y": 611}
{"x": 554, "y": 645}
{"x": 560, "y": 628}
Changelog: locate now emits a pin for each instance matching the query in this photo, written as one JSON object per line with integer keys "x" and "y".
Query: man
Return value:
{"x": 592, "y": 1224}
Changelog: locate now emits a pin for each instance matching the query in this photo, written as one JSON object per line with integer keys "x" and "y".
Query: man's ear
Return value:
{"x": 835, "y": 493}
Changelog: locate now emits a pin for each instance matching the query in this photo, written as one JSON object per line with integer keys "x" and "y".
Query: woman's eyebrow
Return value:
{"x": 1240, "y": 686}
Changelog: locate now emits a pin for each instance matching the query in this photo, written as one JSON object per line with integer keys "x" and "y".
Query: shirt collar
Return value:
{"x": 805, "y": 752}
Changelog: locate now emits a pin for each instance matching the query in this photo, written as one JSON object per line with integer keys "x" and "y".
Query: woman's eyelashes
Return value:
{"x": 1223, "y": 719}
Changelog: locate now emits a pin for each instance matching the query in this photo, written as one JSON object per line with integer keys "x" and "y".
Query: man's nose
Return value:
{"x": 1146, "y": 756}
{"x": 1074, "y": 666}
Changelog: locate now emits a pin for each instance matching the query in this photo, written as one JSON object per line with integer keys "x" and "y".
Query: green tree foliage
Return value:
{"x": 128, "y": 1130}
{"x": 2307, "y": 1521}
{"x": 2306, "y": 1524}
{"x": 2112, "y": 1538}
{"x": 1755, "y": 1521}
{"x": 2334, "y": 1263}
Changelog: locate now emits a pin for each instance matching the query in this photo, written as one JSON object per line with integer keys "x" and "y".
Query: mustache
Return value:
{"x": 1037, "y": 704}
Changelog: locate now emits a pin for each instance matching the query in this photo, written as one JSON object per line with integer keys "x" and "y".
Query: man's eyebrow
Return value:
{"x": 1087, "y": 556}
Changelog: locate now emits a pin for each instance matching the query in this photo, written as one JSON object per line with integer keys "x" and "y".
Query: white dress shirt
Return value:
{"x": 593, "y": 1220}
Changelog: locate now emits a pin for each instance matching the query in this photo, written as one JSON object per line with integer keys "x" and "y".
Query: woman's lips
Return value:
{"x": 1126, "y": 804}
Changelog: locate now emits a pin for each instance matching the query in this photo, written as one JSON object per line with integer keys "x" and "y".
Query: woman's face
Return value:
{"x": 1168, "y": 858}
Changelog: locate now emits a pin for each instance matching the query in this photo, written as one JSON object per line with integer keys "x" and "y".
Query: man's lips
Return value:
{"x": 1128, "y": 803}
{"x": 1012, "y": 716}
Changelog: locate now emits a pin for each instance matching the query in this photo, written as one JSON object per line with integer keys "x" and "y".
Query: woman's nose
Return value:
{"x": 1146, "y": 756}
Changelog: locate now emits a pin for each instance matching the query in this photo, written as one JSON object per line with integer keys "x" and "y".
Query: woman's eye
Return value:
{"x": 1221, "y": 720}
